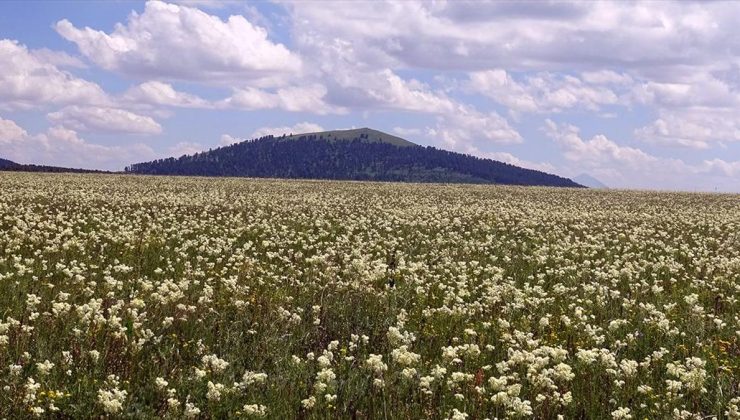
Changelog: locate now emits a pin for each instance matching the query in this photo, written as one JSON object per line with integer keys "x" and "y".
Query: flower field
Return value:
{"x": 154, "y": 297}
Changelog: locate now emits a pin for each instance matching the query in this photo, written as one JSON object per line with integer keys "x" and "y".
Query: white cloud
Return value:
{"x": 185, "y": 148}
{"x": 606, "y": 77}
{"x": 693, "y": 112}
{"x": 310, "y": 98}
{"x": 27, "y": 81}
{"x": 401, "y": 131}
{"x": 721, "y": 167}
{"x": 674, "y": 58}
{"x": 10, "y": 131}
{"x": 624, "y": 166}
{"x": 58, "y": 58}
{"x": 384, "y": 89}
{"x": 688, "y": 130}
{"x": 597, "y": 151}
{"x": 159, "y": 93}
{"x": 60, "y": 146}
{"x": 645, "y": 37}
{"x": 104, "y": 119}
{"x": 543, "y": 92}
{"x": 209, "y": 4}
{"x": 513, "y": 160}
{"x": 227, "y": 140}
{"x": 299, "y": 128}
{"x": 168, "y": 41}
{"x": 698, "y": 90}
{"x": 467, "y": 127}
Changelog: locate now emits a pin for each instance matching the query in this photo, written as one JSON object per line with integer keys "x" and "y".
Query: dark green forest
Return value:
{"x": 9, "y": 165}
{"x": 316, "y": 156}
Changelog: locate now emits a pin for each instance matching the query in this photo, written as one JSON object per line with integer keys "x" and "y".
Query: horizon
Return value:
{"x": 636, "y": 95}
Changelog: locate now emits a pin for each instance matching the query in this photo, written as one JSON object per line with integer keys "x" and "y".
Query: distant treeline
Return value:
{"x": 8, "y": 165}
{"x": 313, "y": 156}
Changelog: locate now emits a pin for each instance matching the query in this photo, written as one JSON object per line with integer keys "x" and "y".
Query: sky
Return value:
{"x": 642, "y": 95}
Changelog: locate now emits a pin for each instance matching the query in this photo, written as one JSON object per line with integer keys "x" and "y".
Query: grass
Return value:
{"x": 154, "y": 297}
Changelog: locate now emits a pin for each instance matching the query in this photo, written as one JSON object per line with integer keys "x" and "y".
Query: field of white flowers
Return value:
{"x": 153, "y": 297}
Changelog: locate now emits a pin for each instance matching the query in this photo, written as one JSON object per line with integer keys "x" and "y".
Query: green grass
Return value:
{"x": 529, "y": 302}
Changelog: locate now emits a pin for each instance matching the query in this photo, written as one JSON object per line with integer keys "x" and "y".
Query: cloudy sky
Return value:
{"x": 638, "y": 95}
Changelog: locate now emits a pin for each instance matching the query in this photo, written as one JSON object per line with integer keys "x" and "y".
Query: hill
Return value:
{"x": 360, "y": 154}
{"x": 365, "y": 134}
{"x": 9, "y": 165}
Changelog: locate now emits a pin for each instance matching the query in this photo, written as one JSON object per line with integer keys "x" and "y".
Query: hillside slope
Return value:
{"x": 365, "y": 134}
{"x": 361, "y": 154}
{"x": 9, "y": 165}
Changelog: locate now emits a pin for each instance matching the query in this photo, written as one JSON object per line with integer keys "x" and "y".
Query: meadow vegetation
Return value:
{"x": 155, "y": 297}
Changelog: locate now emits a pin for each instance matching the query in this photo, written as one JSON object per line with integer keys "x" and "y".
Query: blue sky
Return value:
{"x": 636, "y": 94}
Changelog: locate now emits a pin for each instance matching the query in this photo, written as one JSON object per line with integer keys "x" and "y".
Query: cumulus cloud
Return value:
{"x": 159, "y": 93}
{"x": 467, "y": 128}
{"x": 227, "y": 139}
{"x": 58, "y": 58}
{"x": 310, "y": 98}
{"x": 513, "y": 160}
{"x": 692, "y": 113}
{"x": 456, "y": 62}
{"x": 674, "y": 58}
{"x": 543, "y": 92}
{"x": 721, "y": 167}
{"x": 185, "y": 148}
{"x": 30, "y": 79}
{"x": 169, "y": 41}
{"x": 104, "y": 119}
{"x": 10, "y": 131}
{"x": 299, "y": 128}
{"x": 401, "y": 131}
{"x": 492, "y": 34}
{"x": 626, "y": 166}
{"x": 597, "y": 151}
{"x": 209, "y": 4}
{"x": 606, "y": 77}
{"x": 384, "y": 90}
{"x": 60, "y": 146}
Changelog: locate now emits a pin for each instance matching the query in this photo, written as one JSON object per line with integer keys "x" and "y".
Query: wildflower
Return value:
{"x": 250, "y": 378}
{"x": 213, "y": 362}
{"x": 621, "y": 413}
{"x": 44, "y": 367}
{"x": 629, "y": 367}
{"x": 309, "y": 402}
{"x": 375, "y": 363}
{"x": 214, "y": 391}
{"x": 191, "y": 411}
{"x": 112, "y": 399}
{"x": 405, "y": 357}
{"x": 160, "y": 383}
{"x": 457, "y": 415}
{"x": 256, "y": 410}
{"x": 691, "y": 374}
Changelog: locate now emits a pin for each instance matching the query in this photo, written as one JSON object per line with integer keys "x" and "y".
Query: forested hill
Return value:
{"x": 9, "y": 165}
{"x": 361, "y": 154}
{"x": 4, "y": 163}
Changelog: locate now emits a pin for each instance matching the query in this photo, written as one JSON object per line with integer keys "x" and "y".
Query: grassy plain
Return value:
{"x": 150, "y": 297}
